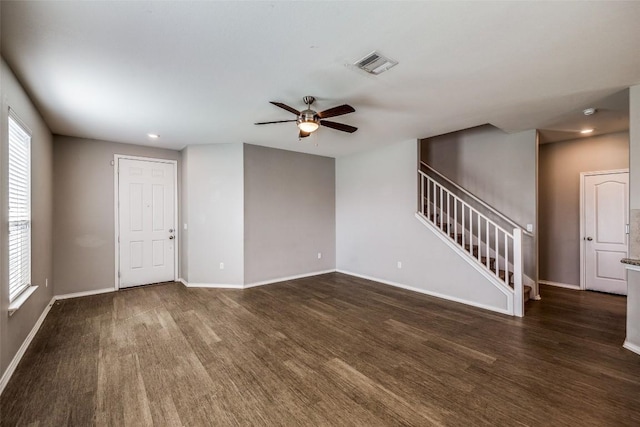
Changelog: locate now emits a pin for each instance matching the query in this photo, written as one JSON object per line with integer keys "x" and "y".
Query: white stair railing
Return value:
{"x": 497, "y": 249}
{"x": 481, "y": 202}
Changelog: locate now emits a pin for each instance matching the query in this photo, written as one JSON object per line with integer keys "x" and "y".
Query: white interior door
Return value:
{"x": 606, "y": 215}
{"x": 146, "y": 221}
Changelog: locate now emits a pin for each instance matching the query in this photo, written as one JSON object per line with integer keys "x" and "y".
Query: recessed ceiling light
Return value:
{"x": 586, "y": 131}
{"x": 153, "y": 135}
{"x": 589, "y": 111}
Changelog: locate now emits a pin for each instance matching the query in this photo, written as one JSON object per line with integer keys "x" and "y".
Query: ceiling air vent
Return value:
{"x": 375, "y": 63}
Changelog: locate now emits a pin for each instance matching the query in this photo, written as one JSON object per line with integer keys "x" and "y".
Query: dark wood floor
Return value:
{"x": 328, "y": 350}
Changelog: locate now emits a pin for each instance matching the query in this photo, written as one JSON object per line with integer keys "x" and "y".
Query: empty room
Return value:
{"x": 332, "y": 213}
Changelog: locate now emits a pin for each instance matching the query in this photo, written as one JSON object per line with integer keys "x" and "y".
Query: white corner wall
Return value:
{"x": 376, "y": 201}
{"x": 213, "y": 210}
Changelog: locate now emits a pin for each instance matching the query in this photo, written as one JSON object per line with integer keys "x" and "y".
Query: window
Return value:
{"x": 19, "y": 208}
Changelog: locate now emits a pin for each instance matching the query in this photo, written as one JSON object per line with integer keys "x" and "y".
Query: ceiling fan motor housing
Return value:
{"x": 308, "y": 116}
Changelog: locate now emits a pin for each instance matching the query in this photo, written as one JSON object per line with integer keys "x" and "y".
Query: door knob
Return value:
{"x": 171, "y": 230}
{"x": 589, "y": 239}
{"x": 171, "y": 237}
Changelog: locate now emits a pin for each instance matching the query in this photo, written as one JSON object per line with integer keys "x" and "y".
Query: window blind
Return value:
{"x": 19, "y": 208}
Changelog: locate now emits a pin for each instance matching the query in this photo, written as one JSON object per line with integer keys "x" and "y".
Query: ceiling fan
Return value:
{"x": 309, "y": 120}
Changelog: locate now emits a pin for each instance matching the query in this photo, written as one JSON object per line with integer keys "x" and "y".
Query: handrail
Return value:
{"x": 477, "y": 199}
{"x": 484, "y": 217}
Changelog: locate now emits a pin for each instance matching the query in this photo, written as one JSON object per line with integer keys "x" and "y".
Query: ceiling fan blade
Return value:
{"x": 338, "y": 126}
{"x": 303, "y": 134}
{"x": 286, "y": 107}
{"x": 336, "y": 111}
{"x": 277, "y": 121}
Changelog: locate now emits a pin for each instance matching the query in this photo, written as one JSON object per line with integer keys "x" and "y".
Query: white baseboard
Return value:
{"x": 251, "y": 285}
{"x": 559, "y": 285}
{"x": 213, "y": 285}
{"x": 528, "y": 281}
{"x": 208, "y": 285}
{"x": 631, "y": 347}
{"x": 23, "y": 348}
{"x": 84, "y": 293}
{"x": 430, "y": 293}
{"x": 284, "y": 279}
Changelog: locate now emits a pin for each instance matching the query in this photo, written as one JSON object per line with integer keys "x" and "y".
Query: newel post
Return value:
{"x": 518, "y": 287}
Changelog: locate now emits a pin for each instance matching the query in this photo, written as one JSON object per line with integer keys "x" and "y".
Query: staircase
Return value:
{"x": 464, "y": 219}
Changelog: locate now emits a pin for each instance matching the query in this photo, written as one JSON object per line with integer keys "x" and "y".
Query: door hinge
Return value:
{"x": 626, "y": 228}
{"x": 118, "y": 274}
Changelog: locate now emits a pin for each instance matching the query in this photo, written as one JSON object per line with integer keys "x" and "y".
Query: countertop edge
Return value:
{"x": 632, "y": 264}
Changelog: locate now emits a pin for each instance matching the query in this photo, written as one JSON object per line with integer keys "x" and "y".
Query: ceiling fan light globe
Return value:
{"x": 308, "y": 126}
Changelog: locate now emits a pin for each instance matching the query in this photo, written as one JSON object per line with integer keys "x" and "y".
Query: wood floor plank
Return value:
{"x": 324, "y": 351}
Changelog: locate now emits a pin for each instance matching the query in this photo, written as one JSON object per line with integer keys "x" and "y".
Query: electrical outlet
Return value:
{"x": 222, "y": 266}
{"x": 319, "y": 255}
{"x": 46, "y": 283}
{"x": 530, "y": 228}
{"x": 185, "y": 225}
{"x": 399, "y": 264}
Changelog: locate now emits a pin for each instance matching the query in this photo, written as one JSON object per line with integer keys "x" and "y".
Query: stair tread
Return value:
{"x": 472, "y": 249}
{"x": 501, "y": 274}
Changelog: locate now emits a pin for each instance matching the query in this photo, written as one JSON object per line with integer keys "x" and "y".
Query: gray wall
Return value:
{"x": 633, "y": 295}
{"x": 289, "y": 213}
{"x": 376, "y": 201}
{"x": 497, "y": 167}
{"x": 213, "y": 202}
{"x": 560, "y": 166}
{"x": 84, "y": 225}
{"x": 14, "y": 329}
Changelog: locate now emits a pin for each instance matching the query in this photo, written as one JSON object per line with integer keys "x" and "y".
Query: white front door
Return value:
{"x": 606, "y": 215}
{"x": 146, "y": 221}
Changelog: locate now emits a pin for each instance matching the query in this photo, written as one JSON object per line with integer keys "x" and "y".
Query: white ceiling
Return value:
{"x": 204, "y": 72}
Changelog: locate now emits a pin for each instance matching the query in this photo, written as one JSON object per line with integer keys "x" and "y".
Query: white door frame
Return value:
{"x": 583, "y": 247}
{"x": 116, "y": 204}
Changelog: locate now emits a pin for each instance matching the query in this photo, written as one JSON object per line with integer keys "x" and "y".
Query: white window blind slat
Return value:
{"x": 18, "y": 167}
{"x": 19, "y": 179}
